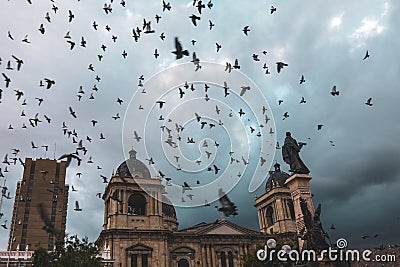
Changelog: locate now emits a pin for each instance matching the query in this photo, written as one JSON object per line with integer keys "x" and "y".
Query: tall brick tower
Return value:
{"x": 43, "y": 182}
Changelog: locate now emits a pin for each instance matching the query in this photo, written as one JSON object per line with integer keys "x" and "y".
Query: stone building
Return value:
{"x": 141, "y": 228}
{"x": 275, "y": 208}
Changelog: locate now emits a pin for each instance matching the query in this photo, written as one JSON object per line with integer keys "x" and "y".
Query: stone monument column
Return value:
{"x": 299, "y": 186}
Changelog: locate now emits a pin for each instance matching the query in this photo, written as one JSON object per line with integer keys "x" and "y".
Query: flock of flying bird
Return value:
{"x": 15, "y": 63}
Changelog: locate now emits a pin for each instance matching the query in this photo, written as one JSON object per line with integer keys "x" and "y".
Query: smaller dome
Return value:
{"x": 167, "y": 207}
{"x": 131, "y": 165}
{"x": 276, "y": 178}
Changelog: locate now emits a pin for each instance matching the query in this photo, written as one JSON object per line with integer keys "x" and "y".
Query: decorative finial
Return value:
{"x": 132, "y": 153}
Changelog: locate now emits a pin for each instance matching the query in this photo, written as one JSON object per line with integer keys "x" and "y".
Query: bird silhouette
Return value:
{"x": 211, "y": 24}
{"x": 48, "y": 225}
{"x": 280, "y": 65}
{"x": 116, "y": 117}
{"x": 236, "y": 65}
{"x": 218, "y": 46}
{"x": 334, "y": 91}
{"x": 166, "y": 6}
{"x": 71, "y": 16}
{"x": 104, "y": 179}
{"x": 49, "y": 83}
{"x": 246, "y": 29}
{"x": 83, "y": 42}
{"x": 185, "y": 187}
{"x": 157, "y": 17}
{"x": 302, "y": 80}
{"x": 216, "y": 169}
{"x": 72, "y": 112}
{"x": 18, "y": 61}
{"x": 226, "y": 88}
{"x": 162, "y": 36}
{"x": 72, "y": 44}
{"x": 200, "y": 6}
{"x": 107, "y": 8}
{"x": 7, "y": 80}
{"x": 244, "y": 89}
{"x": 285, "y": 115}
{"x": 366, "y": 55}
{"x": 228, "y": 207}
{"x": 136, "y": 136}
{"x": 4, "y": 224}
{"x": 47, "y": 17}
{"x": 135, "y": 35}
{"x": 148, "y": 28}
{"x": 194, "y": 19}
{"x": 69, "y": 158}
{"x": 115, "y": 197}
{"x": 160, "y": 103}
{"x": 228, "y": 67}
{"x": 77, "y": 208}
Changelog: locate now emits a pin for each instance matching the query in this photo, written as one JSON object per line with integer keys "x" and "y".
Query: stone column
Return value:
{"x": 213, "y": 258}
{"x": 203, "y": 255}
{"x": 208, "y": 256}
{"x": 299, "y": 186}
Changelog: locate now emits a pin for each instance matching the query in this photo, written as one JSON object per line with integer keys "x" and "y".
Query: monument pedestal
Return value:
{"x": 299, "y": 186}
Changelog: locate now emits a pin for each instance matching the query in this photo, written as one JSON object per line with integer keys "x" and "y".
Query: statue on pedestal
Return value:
{"x": 290, "y": 154}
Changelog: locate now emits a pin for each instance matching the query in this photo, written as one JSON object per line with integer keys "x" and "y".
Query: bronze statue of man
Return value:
{"x": 290, "y": 154}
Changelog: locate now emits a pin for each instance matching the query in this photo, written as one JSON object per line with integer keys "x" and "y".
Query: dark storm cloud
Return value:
{"x": 357, "y": 180}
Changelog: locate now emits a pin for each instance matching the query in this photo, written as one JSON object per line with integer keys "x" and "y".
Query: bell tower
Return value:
{"x": 275, "y": 207}
{"x": 133, "y": 200}
{"x": 134, "y": 210}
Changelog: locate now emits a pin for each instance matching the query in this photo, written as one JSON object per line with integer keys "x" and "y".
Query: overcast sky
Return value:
{"x": 353, "y": 159}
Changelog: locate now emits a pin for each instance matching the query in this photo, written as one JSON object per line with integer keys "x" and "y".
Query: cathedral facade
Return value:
{"x": 139, "y": 230}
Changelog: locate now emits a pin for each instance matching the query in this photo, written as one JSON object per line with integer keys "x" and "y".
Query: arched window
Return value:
{"x": 270, "y": 216}
{"x": 137, "y": 204}
{"x": 223, "y": 259}
{"x": 183, "y": 263}
{"x": 230, "y": 259}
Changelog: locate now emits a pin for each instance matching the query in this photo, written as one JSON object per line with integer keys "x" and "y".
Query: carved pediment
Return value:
{"x": 139, "y": 248}
{"x": 220, "y": 227}
{"x": 224, "y": 230}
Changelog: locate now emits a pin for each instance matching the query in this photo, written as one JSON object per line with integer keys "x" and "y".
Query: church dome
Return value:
{"x": 276, "y": 178}
{"x": 133, "y": 166}
{"x": 167, "y": 207}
